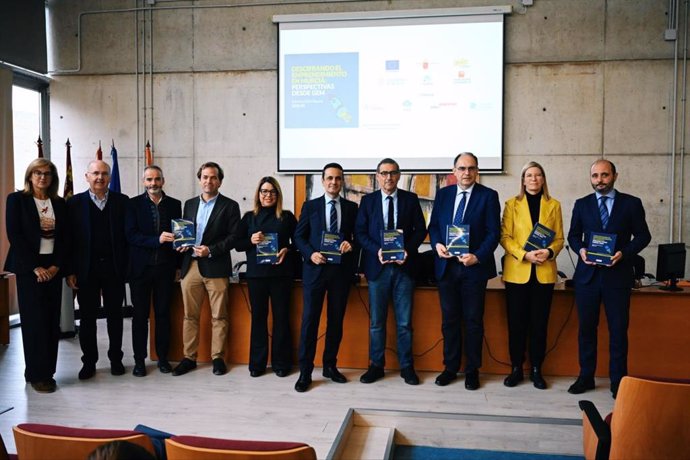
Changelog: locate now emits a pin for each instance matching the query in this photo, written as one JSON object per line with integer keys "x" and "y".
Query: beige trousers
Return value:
{"x": 194, "y": 287}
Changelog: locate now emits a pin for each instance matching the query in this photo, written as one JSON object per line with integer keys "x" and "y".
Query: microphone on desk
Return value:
{"x": 569, "y": 283}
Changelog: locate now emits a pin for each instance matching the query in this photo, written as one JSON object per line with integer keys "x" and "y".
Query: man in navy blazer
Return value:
{"x": 605, "y": 211}
{"x": 401, "y": 212}
{"x": 99, "y": 268}
{"x": 152, "y": 266}
{"x": 462, "y": 279}
{"x": 333, "y": 214}
{"x": 207, "y": 267}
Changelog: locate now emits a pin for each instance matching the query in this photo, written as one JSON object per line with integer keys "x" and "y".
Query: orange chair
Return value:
{"x": 35, "y": 441}
{"x": 200, "y": 448}
{"x": 650, "y": 420}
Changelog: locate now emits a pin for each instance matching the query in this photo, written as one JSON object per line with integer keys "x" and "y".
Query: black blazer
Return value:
{"x": 220, "y": 235}
{"x": 312, "y": 221}
{"x": 80, "y": 220}
{"x": 627, "y": 221}
{"x": 370, "y": 224}
{"x": 143, "y": 234}
{"x": 24, "y": 234}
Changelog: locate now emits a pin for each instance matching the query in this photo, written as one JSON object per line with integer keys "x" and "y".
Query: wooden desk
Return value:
{"x": 659, "y": 342}
{"x": 5, "y": 308}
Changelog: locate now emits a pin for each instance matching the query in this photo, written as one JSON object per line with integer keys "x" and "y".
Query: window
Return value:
{"x": 26, "y": 116}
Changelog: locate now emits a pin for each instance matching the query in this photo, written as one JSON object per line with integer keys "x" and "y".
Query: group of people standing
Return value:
{"x": 101, "y": 239}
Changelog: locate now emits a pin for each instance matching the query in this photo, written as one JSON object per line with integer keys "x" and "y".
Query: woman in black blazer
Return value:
{"x": 36, "y": 220}
{"x": 266, "y": 281}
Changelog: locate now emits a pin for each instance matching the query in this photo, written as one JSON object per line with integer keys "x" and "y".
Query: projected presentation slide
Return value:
{"x": 359, "y": 91}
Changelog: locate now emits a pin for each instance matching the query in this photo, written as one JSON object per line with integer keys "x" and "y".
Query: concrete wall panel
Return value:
{"x": 636, "y": 31}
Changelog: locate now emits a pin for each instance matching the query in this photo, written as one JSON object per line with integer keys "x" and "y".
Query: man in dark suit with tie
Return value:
{"x": 152, "y": 266}
{"x": 207, "y": 266}
{"x": 389, "y": 209}
{"x": 605, "y": 211}
{"x": 99, "y": 268}
{"x": 333, "y": 214}
{"x": 462, "y": 279}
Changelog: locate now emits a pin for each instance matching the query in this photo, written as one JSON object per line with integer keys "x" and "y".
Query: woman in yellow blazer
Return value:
{"x": 529, "y": 274}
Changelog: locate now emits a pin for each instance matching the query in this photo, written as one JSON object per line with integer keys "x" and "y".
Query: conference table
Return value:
{"x": 659, "y": 341}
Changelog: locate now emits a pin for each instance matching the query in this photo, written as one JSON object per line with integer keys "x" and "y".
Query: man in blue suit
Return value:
{"x": 152, "y": 266}
{"x": 333, "y": 214}
{"x": 462, "y": 279}
{"x": 605, "y": 211}
{"x": 99, "y": 268}
{"x": 389, "y": 209}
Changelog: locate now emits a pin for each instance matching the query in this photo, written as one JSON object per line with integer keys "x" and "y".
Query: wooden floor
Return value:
{"x": 268, "y": 408}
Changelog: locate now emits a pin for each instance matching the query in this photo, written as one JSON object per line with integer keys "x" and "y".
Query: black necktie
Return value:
{"x": 390, "y": 224}
{"x": 334, "y": 218}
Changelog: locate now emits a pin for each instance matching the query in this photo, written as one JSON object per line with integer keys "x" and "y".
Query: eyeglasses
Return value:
{"x": 467, "y": 168}
{"x": 99, "y": 174}
{"x": 267, "y": 192}
{"x": 43, "y": 174}
{"x": 389, "y": 173}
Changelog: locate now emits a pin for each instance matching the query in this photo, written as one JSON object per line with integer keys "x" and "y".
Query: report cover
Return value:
{"x": 330, "y": 246}
{"x": 540, "y": 238}
{"x": 267, "y": 249}
{"x": 392, "y": 245}
{"x": 458, "y": 239}
{"x": 602, "y": 246}
{"x": 183, "y": 230}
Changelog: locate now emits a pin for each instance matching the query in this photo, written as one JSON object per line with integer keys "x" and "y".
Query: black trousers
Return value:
{"x": 462, "y": 302}
{"x": 334, "y": 284}
{"x": 101, "y": 282}
{"x": 155, "y": 283}
{"x": 279, "y": 291}
{"x": 529, "y": 306}
{"x": 39, "y": 311}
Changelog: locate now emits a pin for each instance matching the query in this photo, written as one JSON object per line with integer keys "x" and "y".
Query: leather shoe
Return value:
{"x": 44, "y": 386}
{"x": 303, "y": 383}
{"x": 117, "y": 368}
{"x": 408, "y": 374}
{"x": 281, "y": 372}
{"x": 139, "y": 369}
{"x": 472, "y": 380}
{"x": 372, "y": 374}
{"x": 184, "y": 366}
{"x": 445, "y": 377}
{"x": 537, "y": 379}
{"x": 219, "y": 367}
{"x": 334, "y": 374}
{"x": 257, "y": 373}
{"x": 164, "y": 366}
{"x": 87, "y": 371}
{"x": 581, "y": 385}
{"x": 516, "y": 376}
{"x": 614, "y": 389}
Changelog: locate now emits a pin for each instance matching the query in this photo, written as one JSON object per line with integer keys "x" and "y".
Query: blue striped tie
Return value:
{"x": 459, "y": 213}
{"x": 334, "y": 218}
{"x": 603, "y": 212}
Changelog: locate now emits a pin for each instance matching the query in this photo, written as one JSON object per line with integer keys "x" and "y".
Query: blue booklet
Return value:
{"x": 458, "y": 239}
{"x": 540, "y": 238}
{"x": 267, "y": 250}
{"x": 392, "y": 245}
{"x": 330, "y": 247}
{"x": 602, "y": 246}
{"x": 184, "y": 233}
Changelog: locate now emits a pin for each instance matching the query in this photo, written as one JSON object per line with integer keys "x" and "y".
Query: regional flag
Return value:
{"x": 115, "y": 174}
{"x": 99, "y": 152}
{"x": 148, "y": 155}
{"x": 39, "y": 143}
{"x": 68, "y": 191}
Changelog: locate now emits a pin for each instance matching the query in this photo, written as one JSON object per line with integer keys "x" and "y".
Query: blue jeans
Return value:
{"x": 393, "y": 283}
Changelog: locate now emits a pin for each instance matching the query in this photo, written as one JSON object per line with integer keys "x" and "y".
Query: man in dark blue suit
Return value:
{"x": 152, "y": 266}
{"x": 389, "y": 209}
{"x": 99, "y": 268}
{"x": 333, "y": 214}
{"x": 462, "y": 279}
{"x": 605, "y": 211}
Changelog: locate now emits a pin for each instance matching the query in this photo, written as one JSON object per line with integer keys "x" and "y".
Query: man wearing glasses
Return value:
{"x": 99, "y": 264}
{"x": 462, "y": 279}
{"x": 389, "y": 209}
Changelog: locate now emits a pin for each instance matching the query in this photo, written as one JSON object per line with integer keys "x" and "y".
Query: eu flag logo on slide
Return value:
{"x": 393, "y": 65}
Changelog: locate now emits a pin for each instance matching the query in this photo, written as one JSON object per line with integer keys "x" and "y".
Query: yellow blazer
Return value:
{"x": 516, "y": 227}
